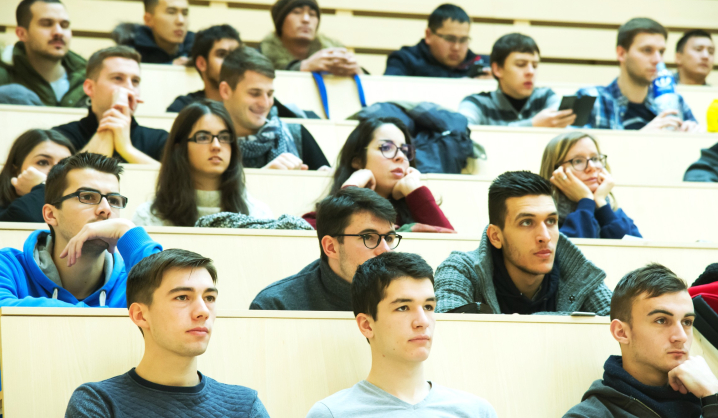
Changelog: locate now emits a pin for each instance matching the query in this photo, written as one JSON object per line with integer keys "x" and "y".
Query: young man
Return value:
{"x": 353, "y": 226}
{"x": 444, "y": 51}
{"x": 523, "y": 264}
{"x": 171, "y": 297}
{"x": 296, "y": 46}
{"x": 394, "y": 302}
{"x": 652, "y": 320}
{"x": 210, "y": 47}
{"x": 628, "y": 103}
{"x": 42, "y": 62}
{"x": 516, "y": 102}
{"x": 75, "y": 263}
{"x": 247, "y": 90}
{"x": 164, "y": 38}
{"x": 695, "y": 54}
{"x": 113, "y": 84}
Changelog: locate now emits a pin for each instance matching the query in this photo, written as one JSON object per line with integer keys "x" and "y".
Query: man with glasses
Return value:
{"x": 75, "y": 264}
{"x": 353, "y": 225}
{"x": 444, "y": 51}
{"x": 516, "y": 101}
{"x": 113, "y": 85}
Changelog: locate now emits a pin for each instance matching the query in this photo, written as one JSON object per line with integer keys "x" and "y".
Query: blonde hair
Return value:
{"x": 555, "y": 153}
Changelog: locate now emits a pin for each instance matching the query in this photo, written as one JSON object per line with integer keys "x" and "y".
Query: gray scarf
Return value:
{"x": 272, "y": 140}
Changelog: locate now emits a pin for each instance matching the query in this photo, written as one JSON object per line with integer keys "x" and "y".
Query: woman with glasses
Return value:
{"x": 201, "y": 172}
{"x": 379, "y": 155}
{"x": 22, "y": 179}
{"x": 582, "y": 188}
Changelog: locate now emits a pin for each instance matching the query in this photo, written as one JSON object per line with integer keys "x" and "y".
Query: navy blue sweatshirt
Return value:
{"x": 589, "y": 222}
{"x": 418, "y": 61}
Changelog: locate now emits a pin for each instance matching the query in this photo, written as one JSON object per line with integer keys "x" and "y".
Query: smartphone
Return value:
{"x": 577, "y": 313}
{"x": 567, "y": 102}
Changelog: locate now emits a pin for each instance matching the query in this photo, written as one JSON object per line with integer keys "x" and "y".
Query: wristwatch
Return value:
{"x": 709, "y": 400}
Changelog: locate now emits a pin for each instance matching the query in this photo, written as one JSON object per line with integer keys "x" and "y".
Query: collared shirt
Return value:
{"x": 494, "y": 108}
{"x": 609, "y": 110}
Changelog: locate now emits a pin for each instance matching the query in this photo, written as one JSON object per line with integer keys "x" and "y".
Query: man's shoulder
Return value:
{"x": 109, "y": 388}
{"x": 346, "y": 400}
{"x": 152, "y": 133}
{"x": 483, "y": 99}
{"x": 457, "y": 400}
{"x": 328, "y": 42}
{"x": 289, "y": 290}
{"x": 230, "y": 391}
{"x": 465, "y": 259}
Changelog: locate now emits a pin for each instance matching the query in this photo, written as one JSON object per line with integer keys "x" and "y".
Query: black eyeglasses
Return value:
{"x": 453, "y": 39}
{"x": 389, "y": 150}
{"x": 204, "y": 137}
{"x": 580, "y": 163}
{"x": 372, "y": 240}
{"x": 90, "y": 197}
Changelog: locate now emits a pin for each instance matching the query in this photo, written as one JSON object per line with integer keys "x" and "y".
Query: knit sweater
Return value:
{"x": 494, "y": 108}
{"x": 128, "y": 395}
{"x": 467, "y": 277}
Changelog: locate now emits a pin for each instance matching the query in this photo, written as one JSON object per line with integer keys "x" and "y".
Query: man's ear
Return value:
{"x": 139, "y": 315}
{"x": 88, "y": 86}
{"x": 427, "y": 36}
{"x": 224, "y": 90}
{"x": 330, "y": 245}
{"x": 621, "y": 54}
{"x": 497, "y": 70}
{"x": 49, "y": 215}
{"x": 201, "y": 64}
{"x": 149, "y": 20}
{"x": 495, "y": 236}
{"x": 621, "y": 331}
{"x": 679, "y": 58}
{"x": 365, "y": 324}
{"x": 21, "y": 33}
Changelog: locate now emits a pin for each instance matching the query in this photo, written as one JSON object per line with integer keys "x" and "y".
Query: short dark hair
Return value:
{"x": 512, "y": 42}
{"x": 150, "y": 5}
{"x": 653, "y": 280}
{"x": 242, "y": 60}
{"x": 445, "y": 12}
{"x": 335, "y": 211}
{"x": 205, "y": 39}
{"x": 628, "y": 31}
{"x": 57, "y": 177}
{"x": 146, "y": 276}
{"x": 513, "y": 184}
{"x": 23, "y": 14}
{"x": 376, "y": 274}
{"x": 694, "y": 33}
{"x": 97, "y": 59}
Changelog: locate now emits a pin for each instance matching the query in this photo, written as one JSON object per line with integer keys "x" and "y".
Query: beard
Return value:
{"x": 636, "y": 77}
{"x": 514, "y": 258}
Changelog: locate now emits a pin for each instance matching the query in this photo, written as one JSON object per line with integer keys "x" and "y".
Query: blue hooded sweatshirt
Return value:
{"x": 22, "y": 283}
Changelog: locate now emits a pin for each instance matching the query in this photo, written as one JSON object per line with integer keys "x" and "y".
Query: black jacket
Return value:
{"x": 27, "y": 208}
{"x": 141, "y": 38}
{"x": 418, "y": 61}
{"x": 706, "y": 168}
{"x": 147, "y": 140}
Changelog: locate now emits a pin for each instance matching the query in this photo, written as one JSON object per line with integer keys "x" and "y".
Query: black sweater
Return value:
{"x": 27, "y": 208}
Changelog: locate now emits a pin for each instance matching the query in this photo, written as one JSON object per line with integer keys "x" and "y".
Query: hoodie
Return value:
{"x": 140, "y": 37}
{"x": 418, "y": 61}
{"x": 23, "y": 282}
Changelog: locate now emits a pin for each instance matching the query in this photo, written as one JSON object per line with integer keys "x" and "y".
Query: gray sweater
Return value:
{"x": 129, "y": 395}
{"x": 467, "y": 277}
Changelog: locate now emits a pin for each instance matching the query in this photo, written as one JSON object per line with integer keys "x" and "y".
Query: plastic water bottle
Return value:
{"x": 664, "y": 91}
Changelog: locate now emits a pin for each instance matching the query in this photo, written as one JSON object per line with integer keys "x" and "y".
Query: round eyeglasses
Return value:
{"x": 580, "y": 163}
{"x": 390, "y": 150}
{"x": 372, "y": 240}
{"x": 204, "y": 137}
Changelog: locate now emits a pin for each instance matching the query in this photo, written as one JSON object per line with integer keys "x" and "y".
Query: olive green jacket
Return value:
{"x": 21, "y": 72}
{"x": 272, "y": 48}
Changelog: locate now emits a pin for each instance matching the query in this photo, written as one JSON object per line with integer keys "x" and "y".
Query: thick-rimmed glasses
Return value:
{"x": 204, "y": 137}
{"x": 453, "y": 39}
{"x": 372, "y": 240}
{"x": 580, "y": 163}
{"x": 92, "y": 197}
{"x": 389, "y": 150}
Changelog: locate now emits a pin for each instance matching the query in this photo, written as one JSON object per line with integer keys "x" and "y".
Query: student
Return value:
{"x": 75, "y": 262}
{"x": 652, "y": 319}
{"x": 42, "y": 62}
{"x": 201, "y": 172}
{"x": 22, "y": 179}
{"x": 628, "y": 103}
{"x": 247, "y": 90}
{"x": 582, "y": 185}
{"x": 353, "y": 226}
{"x": 695, "y": 54}
{"x": 516, "y": 101}
{"x": 523, "y": 265}
{"x": 706, "y": 168}
{"x": 378, "y": 155}
{"x": 172, "y": 299}
{"x": 295, "y": 44}
{"x": 164, "y": 38}
{"x": 210, "y": 47}
{"x": 444, "y": 51}
{"x": 394, "y": 302}
{"x": 113, "y": 84}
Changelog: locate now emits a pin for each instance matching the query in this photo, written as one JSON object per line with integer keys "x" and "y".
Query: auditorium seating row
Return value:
{"x": 580, "y": 35}
{"x": 634, "y": 157}
{"x": 297, "y": 358}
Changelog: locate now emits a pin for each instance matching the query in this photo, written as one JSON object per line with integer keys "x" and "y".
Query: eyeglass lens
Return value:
{"x": 203, "y": 137}
{"x": 389, "y": 150}
{"x": 94, "y": 198}
{"x": 372, "y": 241}
{"x": 580, "y": 163}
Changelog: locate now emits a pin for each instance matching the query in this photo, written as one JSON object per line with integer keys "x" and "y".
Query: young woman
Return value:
{"x": 379, "y": 155}
{"x": 582, "y": 188}
{"x": 201, "y": 172}
{"x": 22, "y": 179}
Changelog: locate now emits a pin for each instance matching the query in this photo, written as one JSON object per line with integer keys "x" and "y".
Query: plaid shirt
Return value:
{"x": 493, "y": 108}
{"x": 611, "y": 105}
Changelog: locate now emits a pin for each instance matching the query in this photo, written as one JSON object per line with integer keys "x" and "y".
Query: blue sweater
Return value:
{"x": 588, "y": 222}
{"x": 22, "y": 283}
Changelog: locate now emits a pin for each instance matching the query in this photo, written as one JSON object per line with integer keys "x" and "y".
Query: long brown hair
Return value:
{"x": 175, "y": 195}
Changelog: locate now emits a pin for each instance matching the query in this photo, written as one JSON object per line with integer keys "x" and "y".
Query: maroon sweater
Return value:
{"x": 421, "y": 204}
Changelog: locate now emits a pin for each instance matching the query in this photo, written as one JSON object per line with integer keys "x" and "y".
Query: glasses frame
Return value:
{"x": 193, "y": 138}
{"x": 381, "y": 237}
{"x": 453, "y": 39}
{"x": 603, "y": 159}
{"x": 411, "y": 149}
{"x": 105, "y": 196}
